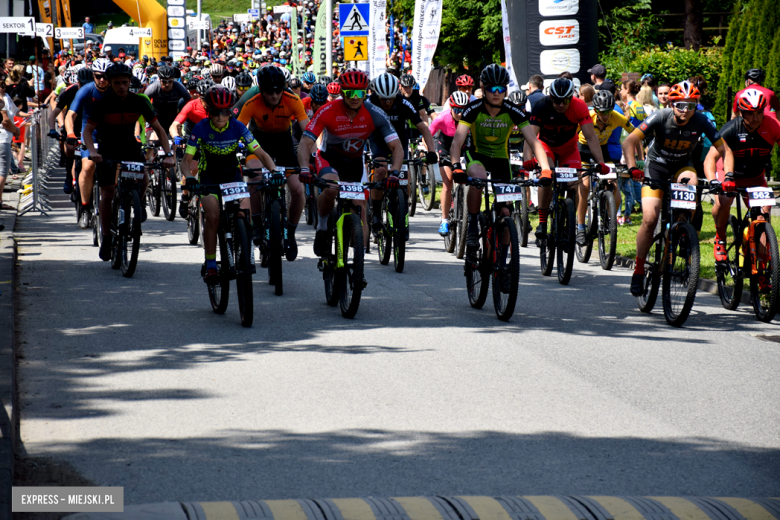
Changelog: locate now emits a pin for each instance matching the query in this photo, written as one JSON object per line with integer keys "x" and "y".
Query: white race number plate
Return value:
{"x": 683, "y": 196}
{"x": 508, "y": 192}
{"x": 760, "y": 197}
{"x": 233, "y": 191}
{"x": 132, "y": 170}
{"x": 351, "y": 190}
{"x": 566, "y": 174}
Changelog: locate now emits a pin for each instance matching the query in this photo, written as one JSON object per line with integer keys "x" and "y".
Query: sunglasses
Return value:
{"x": 167, "y": 82}
{"x": 216, "y": 112}
{"x": 564, "y": 101}
{"x": 99, "y": 76}
{"x": 684, "y": 106}
{"x": 496, "y": 89}
{"x": 457, "y": 111}
{"x": 354, "y": 93}
{"x": 605, "y": 112}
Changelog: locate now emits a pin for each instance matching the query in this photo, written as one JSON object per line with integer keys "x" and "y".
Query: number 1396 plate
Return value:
{"x": 233, "y": 191}
{"x": 759, "y": 197}
{"x": 351, "y": 190}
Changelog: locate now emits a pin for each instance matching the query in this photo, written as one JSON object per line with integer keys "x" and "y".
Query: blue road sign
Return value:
{"x": 254, "y": 13}
{"x": 354, "y": 19}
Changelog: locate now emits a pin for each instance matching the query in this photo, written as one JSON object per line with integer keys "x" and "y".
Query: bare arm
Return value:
{"x": 264, "y": 157}
{"x": 398, "y": 154}
{"x": 426, "y": 135}
{"x": 633, "y": 140}
{"x": 711, "y": 162}
{"x": 70, "y": 121}
{"x": 305, "y": 147}
{"x": 536, "y": 145}
{"x": 461, "y": 134}
{"x": 53, "y": 118}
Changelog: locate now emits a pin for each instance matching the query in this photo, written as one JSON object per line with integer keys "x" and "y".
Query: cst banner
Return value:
{"x": 553, "y": 36}
{"x": 425, "y": 37}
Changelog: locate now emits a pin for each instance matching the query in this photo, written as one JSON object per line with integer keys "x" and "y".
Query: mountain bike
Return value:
{"x": 165, "y": 180}
{"x": 126, "y": 214}
{"x": 752, "y": 250}
{"x": 601, "y": 219}
{"x": 395, "y": 219}
{"x": 422, "y": 178}
{"x": 561, "y": 227}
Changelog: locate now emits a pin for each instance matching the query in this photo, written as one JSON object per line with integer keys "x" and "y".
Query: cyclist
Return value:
{"x": 165, "y": 95}
{"x": 193, "y": 113}
{"x": 753, "y": 79}
{"x": 297, "y": 88}
{"x": 464, "y": 84}
{"x": 748, "y": 141}
{"x": 65, "y": 100}
{"x": 400, "y": 112}
{"x": 411, "y": 91}
{"x": 444, "y": 127}
{"x": 216, "y": 139}
{"x": 490, "y": 121}
{"x": 676, "y": 131}
{"x": 273, "y": 110}
{"x": 349, "y": 123}
{"x": 334, "y": 90}
{"x": 82, "y": 105}
{"x": 114, "y": 118}
{"x": 308, "y": 79}
{"x": 229, "y": 82}
{"x": 318, "y": 97}
{"x": 243, "y": 84}
{"x": 555, "y": 118}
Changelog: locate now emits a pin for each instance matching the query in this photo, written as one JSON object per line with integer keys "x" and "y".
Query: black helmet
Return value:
{"x": 319, "y": 93}
{"x": 494, "y": 75}
{"x": 166, "y": 72}
{"x": 84, "y": 76}
{"x": 135, "y": 85}
{"x": 204, "y": 85}
{"x": 407, "y": 80}
{"x": 325, "y": 80}
{"x": 294, "y": 83}
{"x": 271, "y": 78}
{"x": 244, "y": 80}
{"x": 603, "y": 100}
{"x": 119, "y": 69}
{"x": 756, "y": 75}
{"x": 518, "y": 97}
{"x": 562, "y": 88}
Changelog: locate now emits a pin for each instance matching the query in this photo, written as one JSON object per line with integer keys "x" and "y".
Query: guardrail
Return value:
{"x": 45, "y": 153}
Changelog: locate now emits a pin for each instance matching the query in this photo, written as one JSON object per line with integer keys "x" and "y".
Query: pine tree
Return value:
{"x": 735, "y": 26}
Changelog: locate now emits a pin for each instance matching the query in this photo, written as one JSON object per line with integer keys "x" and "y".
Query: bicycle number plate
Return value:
{"x": 77, "y": 152}
{"x": 566, "y": 174}
{"x": 132, "y": 170}
{"x": 160, "y": 152}
{"x": 515, "y": 159}
{"x": 403, "y": 175}
{"x": 508, "y": 192}
{"x": 683, "y": 196}
{"x": 351, "y": 190}
{"x": 233, "y": 191}
{"x": 759, "y": 196}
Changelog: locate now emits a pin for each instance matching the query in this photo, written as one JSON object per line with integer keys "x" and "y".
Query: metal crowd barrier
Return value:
{"x": 45, "y": 153}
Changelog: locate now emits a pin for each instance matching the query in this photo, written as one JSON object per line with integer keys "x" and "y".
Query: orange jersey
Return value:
{"x": 276, "y": 119}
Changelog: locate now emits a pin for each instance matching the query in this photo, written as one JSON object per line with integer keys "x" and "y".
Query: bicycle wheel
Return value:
{"x": 564, "y": 242}
{"x": 117, "y": 231}
{"x": 506, "y": 268}
{"x": 130, "y": 241}
{"x": 275, "y": 247}
{"x": 584, "y": 252}
{"x": 414, "y": 186}
{"x": 607, "y": 230}
{"x": 477, "y": 277}
{"x": 451, "y": 238}
{"x": 351, "y": 276}
{"x": 219, "y": 293}
{"x": 97, "y": 226}
{"x": 193, "y": 222}
{"x": 329, "y": 272}
{"x": 653, "y": 269}
{"x": 242, "y": 243}
{"x": 169, "y": 193}
{"x": 427, "y": 184}
{"x": 547, "y": 248}
{"x": 463, "y": 216}
{"x": 765, "y": 284}
{"x": 311, "y": 206}
{"x": 153, "y": 194}
{"x": 385, "y": 246}
{"x": 522, "y": 225}
{"x": 399, "y": 238}
{"x": 729, "y": 274}
{"x": 681, "y": 278}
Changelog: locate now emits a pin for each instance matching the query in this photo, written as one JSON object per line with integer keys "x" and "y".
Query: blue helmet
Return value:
{"x": 309, "y": 77}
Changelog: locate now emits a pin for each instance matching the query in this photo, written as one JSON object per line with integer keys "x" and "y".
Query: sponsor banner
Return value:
{"x": 238, "y": 18}
{"x": 295, "y": 59}
{"x": 559, "y": 60}
{"x": 177, "y": 34}
{"x": 513, "y": 85}
{"x": 176, "y": 45}
{"x": 176, "y": 11}
{"x": 559, "y": 32}
{"x": 425, "y": 35}
{"x": 377, "y": 41}
{"x": 558, "y": 7}
{"x": 320, "y": 42}
{"x": 176, "y": 22}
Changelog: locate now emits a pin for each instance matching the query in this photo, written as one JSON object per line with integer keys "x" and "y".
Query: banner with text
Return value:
{"x": 295, "y": 55}
{"x": 377, "y": 40}
{"x": 320, "y": 42}
{"x": 425, "y": 35}
{"x": 513, "y": 85}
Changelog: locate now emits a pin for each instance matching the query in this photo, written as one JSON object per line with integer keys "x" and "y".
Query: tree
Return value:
{"x": 693, "y": 24}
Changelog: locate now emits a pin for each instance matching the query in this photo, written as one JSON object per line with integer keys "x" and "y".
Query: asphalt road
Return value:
{"x": 137, "y": 383}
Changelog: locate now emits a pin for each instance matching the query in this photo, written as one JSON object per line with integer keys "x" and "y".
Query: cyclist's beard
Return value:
{"x": 679, "y": 120}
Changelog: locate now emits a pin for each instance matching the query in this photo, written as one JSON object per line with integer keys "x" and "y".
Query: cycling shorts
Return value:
{"x": 499, "y": 168}
{"x": 348, "y": 169}
{"x": 279, "y": 146}
{"x": 444, "y": 154}
{"x": 661, "y": 172}
{"x": 587, "y": 156}
{"x": 567, "y": 156}
{"x": 380, "y": 150}
{"x": 205, "y": 178}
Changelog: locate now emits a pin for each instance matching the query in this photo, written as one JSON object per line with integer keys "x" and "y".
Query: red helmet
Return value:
{"x": 334, "y": 88}
{"x": 354, "y": 79}
{"x": 219, "y": 97}
{"x": 684, "y": 90}
{"x": 751, "y": 100}
{"x": 464, "y": 81}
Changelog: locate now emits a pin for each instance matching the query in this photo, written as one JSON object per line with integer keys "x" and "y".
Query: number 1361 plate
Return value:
{"x": 760, "y": 196}
{"x": 508, "y": 192}
{"x": 233, "y": 191}
{"x": 351, "y": 190}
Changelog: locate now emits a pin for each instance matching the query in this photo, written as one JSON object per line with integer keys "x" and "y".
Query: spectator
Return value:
{"x": 20, "y": 139}
{"x": 663, "y": 95}
{"x": 7, "y": 132}
{"x": 586, "y": 93}
{"x": 36, "y": 74}
{"x": 649, "y": 80}
{"x": 647, "y": 99}
{"x": 88, "y": 26}
{"x": 628, "y": 91}
{"x": 598, "y": 74}
{"x": 17, "y": 86}
{"x": 8, "y": 65}
{"x": 535, "y": 91}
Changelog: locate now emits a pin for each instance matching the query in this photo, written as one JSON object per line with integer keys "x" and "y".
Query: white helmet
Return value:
{"x": 141, "y": 75}
{"x": 386, "y": 85}
{"x": 101, "y": 65}
{"x": 459, "y": 99}
{"x": 287, "y": 75}
{"x": 229, "y": 82}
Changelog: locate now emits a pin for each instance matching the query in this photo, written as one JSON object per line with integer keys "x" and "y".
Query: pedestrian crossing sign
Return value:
{"x": 353, "y": 19}
{"x": 356, "y": 48}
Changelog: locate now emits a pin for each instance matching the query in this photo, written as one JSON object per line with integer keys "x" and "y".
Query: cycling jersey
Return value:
{"x": 636, "y": 112}
{"x": 398, "y": 114}
{"x": 616, "y": 120}
{"x": 490, "y": 134}
{"x": 142, "y": 120}
{"x": 559, "y": 130}
{"x": 64, "y": 100}
{"x": 115, "y": 120}
{"x": 420, "y": 102}
{"x": 674, "y": 144}
{"x": 193, "y": 113}
{"x": 166, "y": 103}
{"x": 752, "y": 150}
{"x": 249, "y": 94}
{"x": 772, "y": 102}
{"x": 218, "y": 148}
{"x": 273, "y": 119}
{"x": 85, "y": 100}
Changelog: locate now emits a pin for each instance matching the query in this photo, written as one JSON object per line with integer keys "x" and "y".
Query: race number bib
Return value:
{"x": 233, "y": 191}
{"x": 403, "y": 175}
{"x": 683, "y": 196}
{"x": 566, "y": 174}
{"x": 351, "y": 190}
{"x": 508, "y": 192}
{"x": 132, "y": 170}
{"x": 515, "y": 159}
{"x": 759, "y": 197}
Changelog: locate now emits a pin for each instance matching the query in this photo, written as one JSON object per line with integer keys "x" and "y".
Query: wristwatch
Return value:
{"x": 169, "y": 154}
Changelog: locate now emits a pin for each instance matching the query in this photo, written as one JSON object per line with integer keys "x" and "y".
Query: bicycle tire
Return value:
{"x": 477, "y": 277}
{"x": 730, "y": 297}
{"x": 385, "y": 245}
{"x": 564, "y": 242}
{"x": 399, "y": 237}
{"x": 311, "y": 206}
{"x": 504, "y": 302}
{"x": 153, "y": 194}
{"x": 766, "y": 308}
{"x": 329, "y": 273}
{"x": 584, "y": 252}
{"x": 463, "y": 215}
{"x": 219, "y": 294}
{"x": 97, "y": 226}
{"x": 607, "y": 230}
{"x": 653, "y": 268}
{"x": 275, "y": 248}
{"x": 681, "y": 278}
{"x": 414, "y": 187}
{"x": 169, "y": 194}
{"x": 451, "y": 238}
{"x": 242, "y": 243}
{"x": 426, "y": 181}
{"x": 522, "y": 224}
{"x": 116, "y": 232}
{"x": 131, "y": 238}
{"x": 351, "y": 277}
{"x": 193, "y": 222}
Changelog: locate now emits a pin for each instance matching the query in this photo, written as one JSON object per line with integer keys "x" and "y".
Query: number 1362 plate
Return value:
{"x": 759, "y": 196}
{"x": 233, "y": 191}
{"x": 351, "y": 190}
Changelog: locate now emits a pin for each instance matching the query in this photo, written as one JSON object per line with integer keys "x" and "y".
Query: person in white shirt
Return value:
{"x": 37, "y": 76}
{"x": 7, "y": 132}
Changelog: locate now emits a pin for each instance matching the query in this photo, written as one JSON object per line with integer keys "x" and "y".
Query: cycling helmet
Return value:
{"x": 603, "y": 100}
{"x": 562, "y": 88}
{"x": 319, "y": 93}
{"x": 100, "y": 65}
{"x": 204, "y": 86}
{"x": 287, "y": 75}
{"x": 217, "y": 70}
{"x": 354, "y": 79}
{"x": 407, "y": 80}
{"x": 69, "y": 76}
{"x": 219, "y": 97}
{"x": 139, "y": 73}
{"x": 751, "y": 100}
{"x": 165, "y": 72}
{"x": 135, "y": 85}
{"x": 119, "y": 69}
{"x": 308, "y": 77}
{"x": 271, "y": 78}
{"x": 294, "y": 83}
{"x": 464, "y": 81}
{"x": 459, "y": 99}
{"x": 385, "y": 85}
{"x": 334, "y": 89}
{"x": 229, "y": 82}
{"x": 244, "y": 80}
{"x": 84, "y": 76}
{"x": 518, "y": 97}
{"x": 756, "y": 75}
{"x": 684, "y": 90}
{"x": 494, "y": 75}
{"x": 325, "y": 80}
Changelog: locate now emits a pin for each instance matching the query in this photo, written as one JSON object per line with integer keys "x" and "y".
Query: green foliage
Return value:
{"x": 626, "y": 32}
